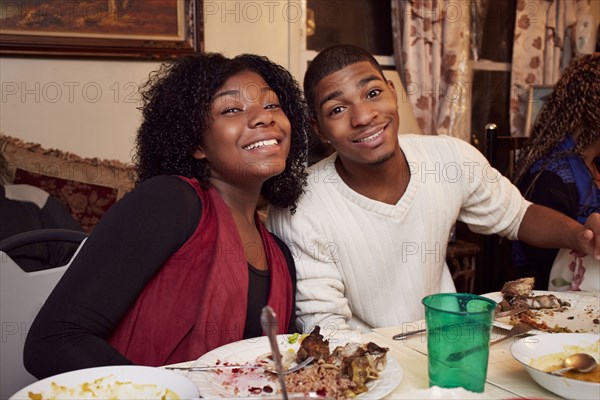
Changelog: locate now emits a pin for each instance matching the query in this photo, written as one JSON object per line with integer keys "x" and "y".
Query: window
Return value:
{"x": 490, "y": 96}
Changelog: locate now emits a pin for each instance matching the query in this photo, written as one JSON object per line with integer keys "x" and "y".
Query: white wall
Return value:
{"x": 89, "y": 107}
{"x": 85, "y": 107}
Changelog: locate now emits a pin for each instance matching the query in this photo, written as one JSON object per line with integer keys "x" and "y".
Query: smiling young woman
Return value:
{"x": 249, "y": 138}
{"x": 182, "y": 264}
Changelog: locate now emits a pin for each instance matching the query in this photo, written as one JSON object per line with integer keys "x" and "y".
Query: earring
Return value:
{"x": 327, "y": 141}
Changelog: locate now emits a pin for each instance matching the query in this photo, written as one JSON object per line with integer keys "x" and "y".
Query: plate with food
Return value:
{"x": 341, "y": 371}
{"x": 547, "y": 312}
{"x": 112, "y": 382}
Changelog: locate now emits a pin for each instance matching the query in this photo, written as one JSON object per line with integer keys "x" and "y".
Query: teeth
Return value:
{"x": 262, "y": 143}
{"x": 369, "y": 138}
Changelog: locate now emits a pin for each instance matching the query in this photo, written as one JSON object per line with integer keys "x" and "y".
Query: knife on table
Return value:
{"x": 406, "y": 334}
{"x": 497, "y": 314}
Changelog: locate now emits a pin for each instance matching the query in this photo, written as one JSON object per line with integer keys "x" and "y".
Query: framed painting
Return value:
{"x": 537, "y": 96}
{"x": 138, "y": 29}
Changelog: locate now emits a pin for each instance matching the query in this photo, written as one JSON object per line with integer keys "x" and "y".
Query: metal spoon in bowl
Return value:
{"x": 580, "y": 362}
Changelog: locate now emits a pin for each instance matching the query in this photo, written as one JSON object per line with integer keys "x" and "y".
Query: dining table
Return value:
{"x": 506, "y": 377}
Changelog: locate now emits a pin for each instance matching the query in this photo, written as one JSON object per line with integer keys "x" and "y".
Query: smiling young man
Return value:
{"x": 369, "y": 235}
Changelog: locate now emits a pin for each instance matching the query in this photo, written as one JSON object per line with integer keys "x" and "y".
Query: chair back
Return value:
{"x": 22, "y": 294}
{"x": 502, "y": 151}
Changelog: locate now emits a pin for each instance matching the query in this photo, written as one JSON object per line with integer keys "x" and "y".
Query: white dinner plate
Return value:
{"x": 583, "y": 316}
{"x": 229, "y": 384}
{"x": 160, "y": 378}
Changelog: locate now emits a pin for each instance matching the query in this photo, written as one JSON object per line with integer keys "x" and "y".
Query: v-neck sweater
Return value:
{"x": 362, "y": 262}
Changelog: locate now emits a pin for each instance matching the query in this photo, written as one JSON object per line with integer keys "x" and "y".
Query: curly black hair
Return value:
{"x": 176, "y": 104}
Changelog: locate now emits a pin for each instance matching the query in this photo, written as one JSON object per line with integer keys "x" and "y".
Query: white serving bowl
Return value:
{"x": 531, "y": 349}
{"x": 177, "y": 383}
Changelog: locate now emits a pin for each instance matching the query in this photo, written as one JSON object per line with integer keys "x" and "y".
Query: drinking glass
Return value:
{"x": 458, "y": 339}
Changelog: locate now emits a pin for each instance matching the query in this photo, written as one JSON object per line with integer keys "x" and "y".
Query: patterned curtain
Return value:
{"x": 544, "y": 31}
{"x": 431, "y": 42}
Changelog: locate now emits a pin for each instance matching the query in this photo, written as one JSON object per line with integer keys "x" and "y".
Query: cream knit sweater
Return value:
{"x": 361, "y": 262}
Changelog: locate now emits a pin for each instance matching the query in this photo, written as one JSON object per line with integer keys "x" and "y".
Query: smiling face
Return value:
{"x": 357, "y": 112}
{"x": 249, "y": 138}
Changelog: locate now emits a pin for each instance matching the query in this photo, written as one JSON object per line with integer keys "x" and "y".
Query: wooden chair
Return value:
{"x": 461, "y": 257}
{"x": 502, "y": 151}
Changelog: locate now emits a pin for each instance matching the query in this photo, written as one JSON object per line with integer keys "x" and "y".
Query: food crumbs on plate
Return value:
{"x": 548, "y": 311}
{"x": 364, "y": 363}
{"x": 343, "y": 373}
{"x": 255, "y": 390}
{"x": 108, "y": 387}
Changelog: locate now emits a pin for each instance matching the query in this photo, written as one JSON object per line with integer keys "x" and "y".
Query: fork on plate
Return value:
{"x": 295, "y": 368}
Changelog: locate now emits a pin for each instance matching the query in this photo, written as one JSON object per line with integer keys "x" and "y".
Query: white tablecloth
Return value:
{"x": 506, "y": 378}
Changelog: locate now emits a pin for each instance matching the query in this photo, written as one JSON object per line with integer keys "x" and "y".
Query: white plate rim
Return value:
{"x": 178, "y": 383}
{"x": 390, "y": 377}
{"x": 569, "y": 296}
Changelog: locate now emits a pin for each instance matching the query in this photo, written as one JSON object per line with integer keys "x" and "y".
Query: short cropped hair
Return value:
{"x": 329, "y": 61}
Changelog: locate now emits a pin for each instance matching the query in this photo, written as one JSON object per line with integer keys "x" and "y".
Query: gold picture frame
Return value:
{"x": 137, "y": 29}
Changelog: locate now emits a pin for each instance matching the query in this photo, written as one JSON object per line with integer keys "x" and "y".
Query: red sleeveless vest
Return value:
{"x": 198, "y": 300}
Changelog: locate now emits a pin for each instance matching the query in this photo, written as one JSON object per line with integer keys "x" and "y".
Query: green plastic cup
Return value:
{"x": 458, "y": 339}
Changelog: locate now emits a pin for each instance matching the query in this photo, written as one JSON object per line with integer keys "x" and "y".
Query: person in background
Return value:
{"x": 558, "y": 167}
{"x": 370, "y": 234}
{"x": 25, "y": 208}
{"x": 182, "y": 264}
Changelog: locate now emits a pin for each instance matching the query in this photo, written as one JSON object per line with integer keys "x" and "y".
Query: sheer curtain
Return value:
{"x": 431, "y": 43}
{"x": 544, "y": 32}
